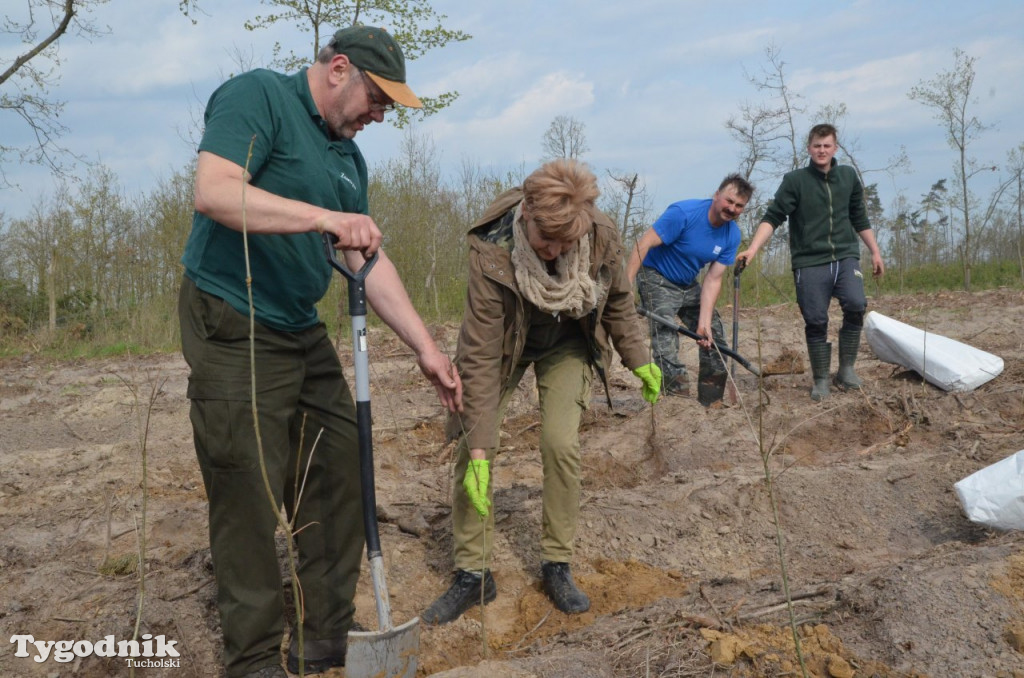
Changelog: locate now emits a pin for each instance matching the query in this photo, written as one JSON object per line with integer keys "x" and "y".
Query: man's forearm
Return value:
{"x": 708, "y": 298}
{"x": 868, "y": 237}
{"x": 636, "y": 258}
{"x": 390, "y": 301}
{"x": 639, "y": 251}
{"x": 222, "y": 195}
{"x": 764, "y": 231}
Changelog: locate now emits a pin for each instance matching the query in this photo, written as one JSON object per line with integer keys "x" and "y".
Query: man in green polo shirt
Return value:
{"x": 291, "y": 138}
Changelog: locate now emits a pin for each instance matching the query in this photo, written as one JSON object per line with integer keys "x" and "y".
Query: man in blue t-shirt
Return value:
{"x": 666, "y": 262}
{"x": 278, "y": 159}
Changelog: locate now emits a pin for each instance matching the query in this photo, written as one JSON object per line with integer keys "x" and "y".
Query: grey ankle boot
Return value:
{"x": 849, "y": 344}
{"x": 820, "y": 355}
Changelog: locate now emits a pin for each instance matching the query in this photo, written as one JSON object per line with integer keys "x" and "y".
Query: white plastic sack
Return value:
{"x": 949, "y": 364}
{"x": 994, "y": 496}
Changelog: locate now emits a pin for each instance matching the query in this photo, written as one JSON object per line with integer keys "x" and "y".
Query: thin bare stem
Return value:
{"x": 282, "y": 521}
{"x": 155, "y": 389}
{"x": 779, "y": 542}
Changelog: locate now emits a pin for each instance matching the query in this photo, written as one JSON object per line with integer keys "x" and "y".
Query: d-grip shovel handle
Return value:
{"x": 356, "y": 279}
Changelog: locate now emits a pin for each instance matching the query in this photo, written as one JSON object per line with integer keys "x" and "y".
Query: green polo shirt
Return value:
{"x": 294, "y": 157}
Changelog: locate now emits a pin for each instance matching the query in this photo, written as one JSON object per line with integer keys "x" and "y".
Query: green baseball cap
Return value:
{"x": 373, "y": 51}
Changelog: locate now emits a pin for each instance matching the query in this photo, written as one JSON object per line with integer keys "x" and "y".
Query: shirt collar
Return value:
{"x": 300, "y": 81}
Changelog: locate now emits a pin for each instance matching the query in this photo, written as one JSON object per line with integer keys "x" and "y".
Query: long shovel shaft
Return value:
{"x": 391, "y": 652}
{"x": 737, "y": 269}
{"x": 367, "y": 482}
{"x": 736, "y": 311}
{"x": 364, "y": 424}
{"x": 693, "y": 335}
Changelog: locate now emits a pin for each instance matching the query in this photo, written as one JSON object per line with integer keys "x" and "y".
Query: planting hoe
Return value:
{"x": 693, "y": 335}
{"x": 392, "y": 651}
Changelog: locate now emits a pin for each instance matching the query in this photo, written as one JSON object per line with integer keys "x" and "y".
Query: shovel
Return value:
{"x": 693, "y": 335}
{"x": 737, "y": 269}
{"x": 392, "y": 651}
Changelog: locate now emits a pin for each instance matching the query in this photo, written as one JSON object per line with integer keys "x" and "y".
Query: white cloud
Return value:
{"x": 510, "y": 132}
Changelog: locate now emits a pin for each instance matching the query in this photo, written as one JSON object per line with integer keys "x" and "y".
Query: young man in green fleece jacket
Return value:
{"x": 824, "y": 203}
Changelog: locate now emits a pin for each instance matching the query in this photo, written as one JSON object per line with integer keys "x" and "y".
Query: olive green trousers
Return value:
{"x": 306, "y": 421}
{"x": 564, "y": 380}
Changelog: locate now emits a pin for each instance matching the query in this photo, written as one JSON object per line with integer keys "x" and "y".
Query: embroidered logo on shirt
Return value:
{"x": 348, "y": 181}
{"x": 717, "y": 250}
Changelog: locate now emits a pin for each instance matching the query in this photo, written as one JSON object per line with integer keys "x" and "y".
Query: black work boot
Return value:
{"x": 678, "y": 385}
{"x": 561, "y": 588}
{"x": 320, "y": 655}
{"x": 820, "y": 355}
{"x": 463, "y": 594}
{"x": 710, "y": 384}
{"x": 849, "y": 344}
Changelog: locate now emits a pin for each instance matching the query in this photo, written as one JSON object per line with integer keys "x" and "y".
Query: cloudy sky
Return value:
{"x": 652, "y": 81}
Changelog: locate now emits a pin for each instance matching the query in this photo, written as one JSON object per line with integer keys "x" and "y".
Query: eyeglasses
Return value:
{"x": 375, "y": 103}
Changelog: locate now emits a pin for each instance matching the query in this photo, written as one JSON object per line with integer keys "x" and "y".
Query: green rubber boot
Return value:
{"x": 849, "y": 344}
{"x": 820, "y": 355}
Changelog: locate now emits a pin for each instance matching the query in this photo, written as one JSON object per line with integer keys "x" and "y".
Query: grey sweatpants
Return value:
{"x": 815, "y": 288}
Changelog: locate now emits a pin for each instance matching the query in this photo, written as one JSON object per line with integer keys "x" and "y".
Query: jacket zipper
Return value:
{"x": 831, "y": 219}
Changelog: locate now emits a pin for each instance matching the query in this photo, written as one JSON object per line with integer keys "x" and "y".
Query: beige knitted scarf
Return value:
{"x": 569, "y": 290}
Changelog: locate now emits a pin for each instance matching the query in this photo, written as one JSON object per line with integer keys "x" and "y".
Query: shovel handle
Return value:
{"x": 739, "y": 266}
{"x": 737, "y": 269}
{"x": 693, "y": 335}
{"x": 356, "y": 279}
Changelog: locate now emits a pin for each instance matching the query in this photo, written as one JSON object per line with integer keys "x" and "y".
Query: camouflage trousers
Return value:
{"x": 663, "y": 297}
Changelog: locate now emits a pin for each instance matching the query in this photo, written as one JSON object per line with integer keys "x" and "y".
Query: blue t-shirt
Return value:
{"x": 690, "y": 241}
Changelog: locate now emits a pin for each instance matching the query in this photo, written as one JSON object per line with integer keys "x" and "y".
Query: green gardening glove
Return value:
{"x": 650, "y": 374}
{"x": 476, "y": 480}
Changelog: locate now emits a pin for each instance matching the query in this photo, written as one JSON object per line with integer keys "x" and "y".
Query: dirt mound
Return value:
{"x": 684, "y": 514}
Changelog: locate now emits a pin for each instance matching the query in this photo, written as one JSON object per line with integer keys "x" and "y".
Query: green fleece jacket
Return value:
{"x": 826, "y": 212}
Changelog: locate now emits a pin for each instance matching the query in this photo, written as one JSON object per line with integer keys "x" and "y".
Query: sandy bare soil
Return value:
{"x": 678, "y": 548}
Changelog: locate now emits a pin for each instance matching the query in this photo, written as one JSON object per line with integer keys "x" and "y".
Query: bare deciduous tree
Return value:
{"x": 758, "y": 130}
{"x": 565, "y": 138}
{"x": 1015, "y": 164}
{"x": 773, "y": 81}
{"x": 628, "y": 204}
{"x": 26, "y": 80}
{"x": 950, "y": 95}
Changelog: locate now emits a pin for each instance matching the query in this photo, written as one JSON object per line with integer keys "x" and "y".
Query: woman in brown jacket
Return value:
{"x": 546, "y": 288}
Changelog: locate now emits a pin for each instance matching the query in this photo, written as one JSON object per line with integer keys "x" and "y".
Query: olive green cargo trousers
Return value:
{"x": 300, "y": 389}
